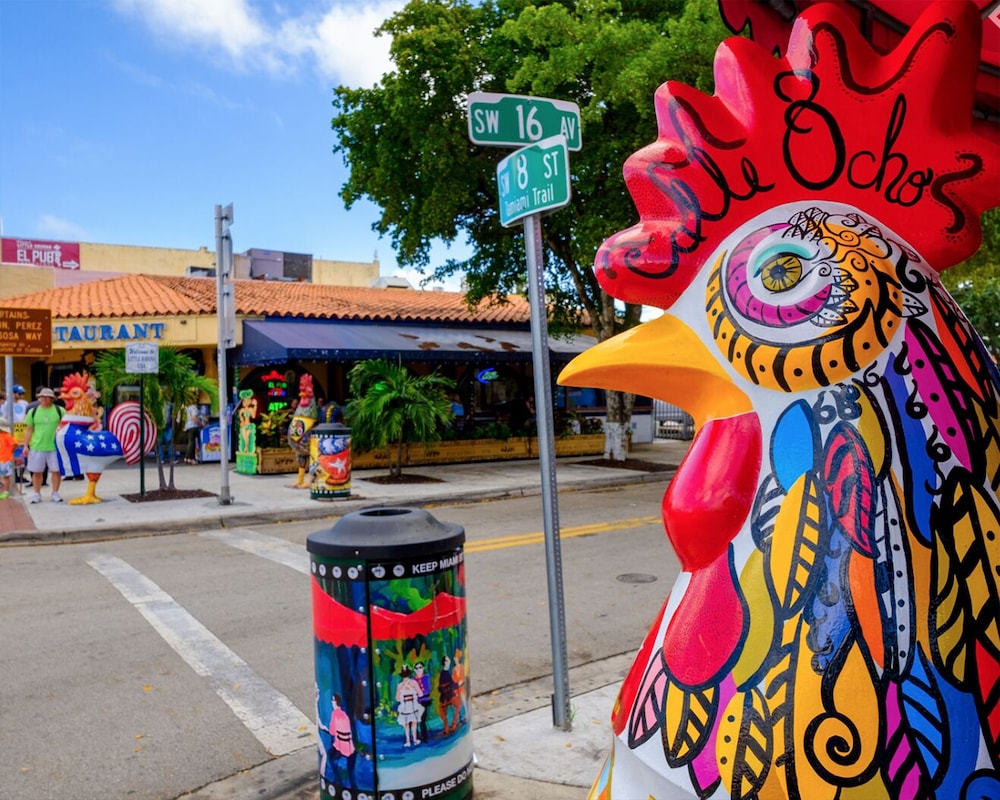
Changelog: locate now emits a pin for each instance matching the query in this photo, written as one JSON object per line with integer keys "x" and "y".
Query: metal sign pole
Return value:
{"x": 223, "y": 252}
{"x": 546, "y": 453}
{"x": 142, "y": 435}
{"x": 530, "y": 181}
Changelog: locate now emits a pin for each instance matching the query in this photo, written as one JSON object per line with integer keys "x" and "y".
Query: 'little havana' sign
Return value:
{"x": 533, "y": 180}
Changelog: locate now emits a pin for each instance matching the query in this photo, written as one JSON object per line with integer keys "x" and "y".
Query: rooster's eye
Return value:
{"x": 781, "y": 272}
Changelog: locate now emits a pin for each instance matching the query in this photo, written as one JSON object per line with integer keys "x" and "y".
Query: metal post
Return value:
{"x": 8, "y": 407}
{"x": 546, "y": 453}
{"x": 142, "y": 435}
{"x": 223, "y": 248}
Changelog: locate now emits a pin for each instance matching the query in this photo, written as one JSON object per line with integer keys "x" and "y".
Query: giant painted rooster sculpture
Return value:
{"x": 835, "y": 633}
{"x": 81, "y": 444}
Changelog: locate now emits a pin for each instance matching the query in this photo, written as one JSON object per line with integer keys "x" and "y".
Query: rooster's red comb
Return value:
{"x": 833, "y": 120}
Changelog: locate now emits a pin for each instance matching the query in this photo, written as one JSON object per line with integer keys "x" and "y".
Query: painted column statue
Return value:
{"x": 835, "y": 633}
{"x": 304, "y": 417}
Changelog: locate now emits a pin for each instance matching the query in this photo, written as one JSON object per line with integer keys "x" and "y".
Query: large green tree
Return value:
{"x": 406, "y": 139}
{"x": 975, "y": 284}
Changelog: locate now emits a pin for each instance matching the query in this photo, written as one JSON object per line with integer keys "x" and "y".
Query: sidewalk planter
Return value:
{"x": 276, "y": 460}
{"x": 582, "y": 444}
{"x": 389, "y": 638}
{"x": 461, "y": 451}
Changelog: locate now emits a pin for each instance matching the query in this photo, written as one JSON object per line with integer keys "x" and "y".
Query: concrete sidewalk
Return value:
{"x": 259, "y": 499}
{"x": 518, "y": 751}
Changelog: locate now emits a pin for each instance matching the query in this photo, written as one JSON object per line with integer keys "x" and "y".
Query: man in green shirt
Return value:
{"x": 40, "y": 444}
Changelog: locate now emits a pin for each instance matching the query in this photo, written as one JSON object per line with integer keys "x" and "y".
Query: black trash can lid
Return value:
{"x": 386, "y": 532}
{"x": 330, "y": 428}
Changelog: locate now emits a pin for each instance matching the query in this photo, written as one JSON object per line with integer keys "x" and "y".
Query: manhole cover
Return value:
{"x": 636, "y": 577}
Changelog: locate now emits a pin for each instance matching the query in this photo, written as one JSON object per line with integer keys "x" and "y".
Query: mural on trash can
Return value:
{"x": 330, "y": 457}
{"x": 835, "y": 632}
{"x": 397, "y": 714}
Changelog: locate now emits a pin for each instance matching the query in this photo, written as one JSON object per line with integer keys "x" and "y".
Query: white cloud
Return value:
{"x": 54, "y": 227}
{"x": 343, "y": 43}
{"x": 229, "y": 24}
{"x": 337, "y": 40}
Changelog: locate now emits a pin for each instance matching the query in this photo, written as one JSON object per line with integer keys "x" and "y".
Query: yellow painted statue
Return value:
{"x": 304, "y": 418}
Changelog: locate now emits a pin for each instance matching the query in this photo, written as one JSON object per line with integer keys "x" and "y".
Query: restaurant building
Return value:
{"x": 294, "y": 314}
{"x": 284, "y": 330}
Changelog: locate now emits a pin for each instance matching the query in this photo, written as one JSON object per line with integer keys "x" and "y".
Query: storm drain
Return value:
{"x": 636, "y": 577}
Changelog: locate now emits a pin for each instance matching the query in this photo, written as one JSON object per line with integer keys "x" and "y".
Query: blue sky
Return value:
{"x": 127, "y": 121}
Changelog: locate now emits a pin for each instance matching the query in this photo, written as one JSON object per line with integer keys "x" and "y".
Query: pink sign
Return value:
{"x": 61, "y": 255}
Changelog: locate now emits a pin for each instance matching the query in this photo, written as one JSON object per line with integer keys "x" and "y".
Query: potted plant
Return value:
{"x": 273, "y": 453}
{"x": 392, "y": 406}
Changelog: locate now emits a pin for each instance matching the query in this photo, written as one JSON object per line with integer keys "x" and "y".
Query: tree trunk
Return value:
{"x": 170, "y": 454}
{"x": 618, "y": 424}
{"x": 607, "y": 322}
{"x": 159, "y": 466}
{"x": 396, "y": 467}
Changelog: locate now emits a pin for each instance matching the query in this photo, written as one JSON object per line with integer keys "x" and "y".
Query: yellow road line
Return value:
{"x": 518, "y": 540}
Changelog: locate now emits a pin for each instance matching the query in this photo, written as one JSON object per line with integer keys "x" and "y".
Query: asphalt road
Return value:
{"x": 144, "y": 668}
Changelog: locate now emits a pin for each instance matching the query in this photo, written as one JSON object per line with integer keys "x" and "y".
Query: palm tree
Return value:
{"x": 176, "y": 383}
{"x": 390, "y": 405}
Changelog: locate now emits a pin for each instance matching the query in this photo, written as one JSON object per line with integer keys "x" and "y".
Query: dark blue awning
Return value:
{"x": 277, "y": 341}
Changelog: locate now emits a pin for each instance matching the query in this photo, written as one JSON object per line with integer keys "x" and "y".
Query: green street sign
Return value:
{"x": 533, "y": 180}
{"x": 513, "y": 120}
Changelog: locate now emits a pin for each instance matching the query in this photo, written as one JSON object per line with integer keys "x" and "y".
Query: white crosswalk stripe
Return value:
{"x": 270, "y": 547}
{"x": 270, "y": 716}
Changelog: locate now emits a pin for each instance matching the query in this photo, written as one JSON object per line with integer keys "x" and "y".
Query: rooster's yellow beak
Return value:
{"x": 664, "y": 359}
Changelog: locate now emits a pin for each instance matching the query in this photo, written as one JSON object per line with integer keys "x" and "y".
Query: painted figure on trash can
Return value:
{"x": 304, "y": 417}
{"x": 83, "y": 447}
{"x": 835, "y": 632}
{"x": 338, "y": 757}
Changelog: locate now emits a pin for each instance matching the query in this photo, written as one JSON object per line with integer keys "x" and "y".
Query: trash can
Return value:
{"x": 389, "y": 636}
{"x": 330, "y": 461}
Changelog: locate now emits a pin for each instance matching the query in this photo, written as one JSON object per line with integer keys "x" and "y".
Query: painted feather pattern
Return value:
{"x": 795, "y": 543}
{"x": 962, "y": 347}
{"x": 792, "y": 227}
{"x": 943, "y": 391}
{"x": 849, "y": 482}
{"x": 691, "y": 715}
{"x": 745, "y": 745}
{"x": 893, "y": 575}
{"x": 988, "y": 670}
{"x": 968, "y": 593}
{"x": 904, "y": 769}
{"x": 647, "y": 717}
{"x": 919, "y": 705}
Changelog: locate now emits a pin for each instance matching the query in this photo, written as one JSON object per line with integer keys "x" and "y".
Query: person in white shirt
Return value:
{"x": 192, "y": 425}
{"x": 20, "y": 404}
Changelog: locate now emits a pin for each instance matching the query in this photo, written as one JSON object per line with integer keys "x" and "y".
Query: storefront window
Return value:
{"x": 277, "y": 387}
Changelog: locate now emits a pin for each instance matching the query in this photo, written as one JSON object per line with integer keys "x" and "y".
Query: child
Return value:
{"x": 7, "y": 445}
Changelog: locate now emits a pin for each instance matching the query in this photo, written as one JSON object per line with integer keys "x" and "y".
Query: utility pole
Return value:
{"x": 225, "y": 309}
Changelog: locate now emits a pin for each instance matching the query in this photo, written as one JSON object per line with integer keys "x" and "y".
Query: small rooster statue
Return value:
{"x": 835, "y": 632}
{"x": 81, "y": 444}
{"x": 304, "y": 417}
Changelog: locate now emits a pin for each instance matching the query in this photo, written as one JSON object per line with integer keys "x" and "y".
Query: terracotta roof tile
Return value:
{"x": 147, "y": 295}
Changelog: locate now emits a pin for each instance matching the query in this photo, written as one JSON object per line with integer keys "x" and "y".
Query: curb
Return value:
{"x": 254, "y": 517}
